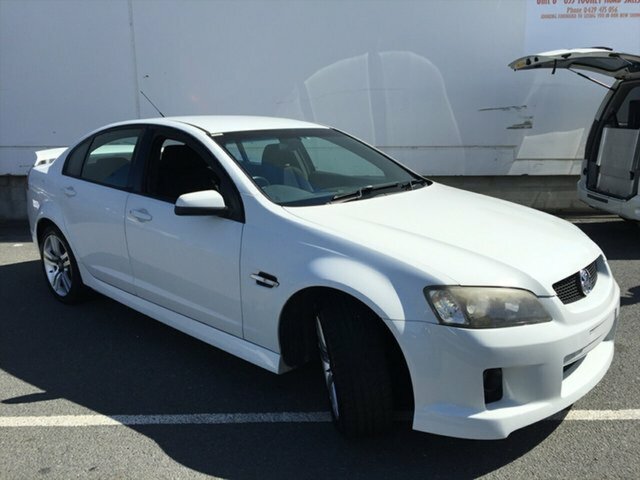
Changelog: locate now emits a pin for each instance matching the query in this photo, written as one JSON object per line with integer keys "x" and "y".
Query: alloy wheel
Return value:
{"x": 327, "y": 370}
{"x": 57, "y": 265}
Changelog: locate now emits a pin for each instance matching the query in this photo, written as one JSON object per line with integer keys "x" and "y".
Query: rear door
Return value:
{"x": 95, "y": 185}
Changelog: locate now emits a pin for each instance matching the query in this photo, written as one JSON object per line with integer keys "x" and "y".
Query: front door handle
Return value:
{"x": 69, "y": 191}
{"x": 141, "y": 215}
{"x": 265, "y": 279}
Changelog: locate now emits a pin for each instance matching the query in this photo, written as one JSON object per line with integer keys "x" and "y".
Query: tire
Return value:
{"x": 355, "y": 368}
{"x": 60, "y": 267}
{"x": 631, "y": 221}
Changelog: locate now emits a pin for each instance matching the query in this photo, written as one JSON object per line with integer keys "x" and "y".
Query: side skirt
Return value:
{"x": 238, "y": 347}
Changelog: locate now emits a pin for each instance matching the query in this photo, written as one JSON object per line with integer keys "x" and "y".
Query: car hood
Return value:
{"x": 458, "y": 237}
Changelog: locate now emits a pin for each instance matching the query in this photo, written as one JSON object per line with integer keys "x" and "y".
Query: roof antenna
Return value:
{"x": 152, "y": 104}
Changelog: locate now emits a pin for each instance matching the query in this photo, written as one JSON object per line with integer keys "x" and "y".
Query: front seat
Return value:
{"x": 282, "y": 159}
{"x": 182, "y": 170}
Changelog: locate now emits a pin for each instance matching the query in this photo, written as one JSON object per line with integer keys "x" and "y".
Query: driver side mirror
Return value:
{"x": 206, "y": 202}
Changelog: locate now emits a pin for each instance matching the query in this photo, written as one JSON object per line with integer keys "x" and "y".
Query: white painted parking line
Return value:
{"x": 237, "y": 418}
{"x": 602, "y": 415}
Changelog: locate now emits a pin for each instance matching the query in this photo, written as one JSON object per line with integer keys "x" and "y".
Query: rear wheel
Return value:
{"x": 60, "y": 267}
{"x": 355, "y": 368}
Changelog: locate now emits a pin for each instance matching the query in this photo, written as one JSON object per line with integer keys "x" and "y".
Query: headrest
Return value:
{"x": 180, "y": 157}
{"x": 279, "y": 156}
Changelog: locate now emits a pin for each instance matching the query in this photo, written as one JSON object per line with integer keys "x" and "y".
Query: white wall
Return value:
{"x": 427, "y": 81}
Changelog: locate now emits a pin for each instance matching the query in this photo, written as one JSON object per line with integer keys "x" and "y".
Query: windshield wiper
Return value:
{"x": 412, "y": 183}
{"x": 370, "y": 190}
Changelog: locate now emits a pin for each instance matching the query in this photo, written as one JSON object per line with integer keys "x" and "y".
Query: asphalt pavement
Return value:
{"x": 101, "y": 361}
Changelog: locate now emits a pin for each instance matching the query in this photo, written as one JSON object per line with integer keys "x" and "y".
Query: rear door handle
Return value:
{"x": 141, "y": 215}
{"x": 69, "y": 191}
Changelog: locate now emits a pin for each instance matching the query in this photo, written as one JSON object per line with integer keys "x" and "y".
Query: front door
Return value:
{"x": 187, "y": 264}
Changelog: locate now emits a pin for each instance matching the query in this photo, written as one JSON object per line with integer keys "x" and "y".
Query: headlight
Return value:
{"x": 485, "y": 307}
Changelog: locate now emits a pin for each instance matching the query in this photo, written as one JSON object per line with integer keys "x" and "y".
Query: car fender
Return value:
{"x": 41, "y": 203}
{"x": 371, "y": 286}
{"x": 391, "y": 293}
{"x": 49, "y": 212}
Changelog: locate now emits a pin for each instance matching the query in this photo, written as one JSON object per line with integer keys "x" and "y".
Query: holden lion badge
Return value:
{"x": 587, "y": 281}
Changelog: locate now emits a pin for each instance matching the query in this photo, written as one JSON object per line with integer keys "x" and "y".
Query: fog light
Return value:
{"x": 492, "y": 382}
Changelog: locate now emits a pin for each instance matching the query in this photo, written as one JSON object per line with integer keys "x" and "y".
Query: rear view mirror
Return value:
{"x": 206, "y": 202}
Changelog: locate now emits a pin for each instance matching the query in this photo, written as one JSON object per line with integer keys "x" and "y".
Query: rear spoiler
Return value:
{"x": 45, "y": 157}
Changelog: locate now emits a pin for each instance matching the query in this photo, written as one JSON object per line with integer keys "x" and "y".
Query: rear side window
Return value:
{"x": 73, "y": 166}
{"x": 109, "y": 158}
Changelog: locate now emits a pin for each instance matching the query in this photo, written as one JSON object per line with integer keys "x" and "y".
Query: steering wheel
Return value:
{"x": 261, "y": 181}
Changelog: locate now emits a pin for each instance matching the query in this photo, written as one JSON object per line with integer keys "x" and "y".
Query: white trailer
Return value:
{"x": 425, "y": 81}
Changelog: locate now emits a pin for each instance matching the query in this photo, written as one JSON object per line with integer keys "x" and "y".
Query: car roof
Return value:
{"x": 231, "y": 123}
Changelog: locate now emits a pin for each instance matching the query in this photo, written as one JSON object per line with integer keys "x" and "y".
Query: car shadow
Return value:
{"x": 114, "y": 361}
{"x": 630, "y": 297}
{"x": 317, "y": 451}
{"x": 619, "y": 240}
{"x": 14, "y": 231}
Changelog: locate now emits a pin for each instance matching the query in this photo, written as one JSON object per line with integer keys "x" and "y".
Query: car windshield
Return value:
{"x": 315, "y": 166}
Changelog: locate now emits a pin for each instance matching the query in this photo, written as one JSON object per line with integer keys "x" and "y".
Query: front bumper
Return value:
{"x": 545, "y": 367}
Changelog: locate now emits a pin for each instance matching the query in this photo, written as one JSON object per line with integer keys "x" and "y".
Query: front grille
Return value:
{"x": 569, "y": 290}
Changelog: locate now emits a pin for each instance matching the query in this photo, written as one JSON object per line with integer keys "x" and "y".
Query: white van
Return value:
{"x": 611, "y": 167}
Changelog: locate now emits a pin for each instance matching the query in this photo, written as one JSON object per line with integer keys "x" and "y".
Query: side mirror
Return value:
{"x": 206, "y": 202}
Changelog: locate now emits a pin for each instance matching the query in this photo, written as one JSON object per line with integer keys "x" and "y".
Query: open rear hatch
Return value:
{"x": 620, "y": 66}
{"x": 613, "y": 146}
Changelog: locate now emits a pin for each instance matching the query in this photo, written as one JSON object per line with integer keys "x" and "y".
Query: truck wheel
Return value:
{"x": 60, "y": 267}
{"x": 356, "y": 373}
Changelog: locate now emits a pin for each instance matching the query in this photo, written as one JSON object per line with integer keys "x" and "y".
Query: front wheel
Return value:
{"x": 631, "y": 221}
{"x": 356, "y": 372}
{"x": 60, "y": 267}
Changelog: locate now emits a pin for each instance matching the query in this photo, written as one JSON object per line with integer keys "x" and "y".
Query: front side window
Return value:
{"x": 108, "y": 160}
{"x": 315, "y": 166}
{"x": 176, "y": 168}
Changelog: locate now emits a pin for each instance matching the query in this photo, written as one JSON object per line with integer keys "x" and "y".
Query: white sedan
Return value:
{"x": 277, "y": 240}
